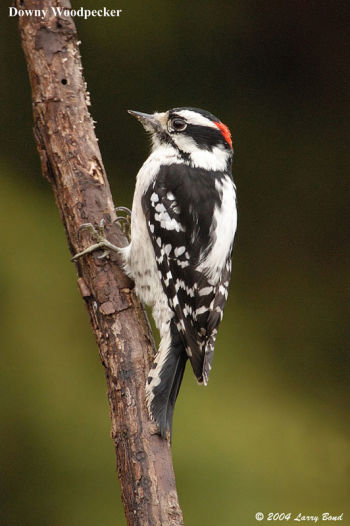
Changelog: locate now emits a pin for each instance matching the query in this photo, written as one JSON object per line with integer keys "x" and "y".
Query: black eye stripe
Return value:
{"x": 206, "y": 137}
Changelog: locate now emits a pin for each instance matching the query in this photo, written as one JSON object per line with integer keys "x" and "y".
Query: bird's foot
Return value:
{"x": 98, "y": 235}
{"x": 124, "y": 220}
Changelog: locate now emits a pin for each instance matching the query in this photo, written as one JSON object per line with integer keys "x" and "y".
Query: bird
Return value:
{"x": 183, "y": 224}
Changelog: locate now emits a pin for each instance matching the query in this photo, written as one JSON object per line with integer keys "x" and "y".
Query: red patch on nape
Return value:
{"x": 225, "y": 132}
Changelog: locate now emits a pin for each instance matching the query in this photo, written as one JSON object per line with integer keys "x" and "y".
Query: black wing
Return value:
{"x": 179, "y": 208}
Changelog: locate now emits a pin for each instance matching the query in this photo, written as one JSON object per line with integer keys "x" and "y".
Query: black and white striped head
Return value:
{"x": 196, "y": 135}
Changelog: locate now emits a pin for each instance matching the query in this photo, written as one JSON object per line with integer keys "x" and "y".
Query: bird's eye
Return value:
{"x": 178, "y": 124}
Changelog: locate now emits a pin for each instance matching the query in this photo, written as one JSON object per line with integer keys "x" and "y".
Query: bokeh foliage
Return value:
{"x": 271, "y": 431}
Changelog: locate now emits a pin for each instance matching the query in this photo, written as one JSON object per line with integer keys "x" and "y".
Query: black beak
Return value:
{"x": 147, "y": 120}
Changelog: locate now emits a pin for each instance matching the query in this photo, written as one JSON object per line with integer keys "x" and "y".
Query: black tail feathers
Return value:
{"x": 167, "y": 381}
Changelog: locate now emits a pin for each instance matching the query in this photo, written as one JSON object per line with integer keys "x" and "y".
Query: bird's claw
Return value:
{"x": 124, "y": 209}
{"x": 98, "y": 234}
{"x": 124, "y": 220}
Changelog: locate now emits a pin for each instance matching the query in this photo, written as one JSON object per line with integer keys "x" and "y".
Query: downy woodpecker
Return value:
{"x": 183, "y": 223}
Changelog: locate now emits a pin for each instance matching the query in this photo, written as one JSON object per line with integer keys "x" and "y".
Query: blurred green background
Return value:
{"x": 271, "y": 431}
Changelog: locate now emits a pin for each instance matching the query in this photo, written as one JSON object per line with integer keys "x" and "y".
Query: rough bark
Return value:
{"x": 72, "y": 163}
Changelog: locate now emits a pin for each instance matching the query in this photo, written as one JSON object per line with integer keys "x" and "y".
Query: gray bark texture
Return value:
{"x": 71, "y": 161}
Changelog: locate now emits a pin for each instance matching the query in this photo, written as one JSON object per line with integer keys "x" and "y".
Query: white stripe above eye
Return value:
{"x": 192, "y": 117}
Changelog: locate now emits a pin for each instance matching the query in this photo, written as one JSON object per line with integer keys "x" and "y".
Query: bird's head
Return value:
{"x": 196, "y": 135}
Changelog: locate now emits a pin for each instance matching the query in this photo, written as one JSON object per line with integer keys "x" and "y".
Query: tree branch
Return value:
{"x": 71, "y": 161}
